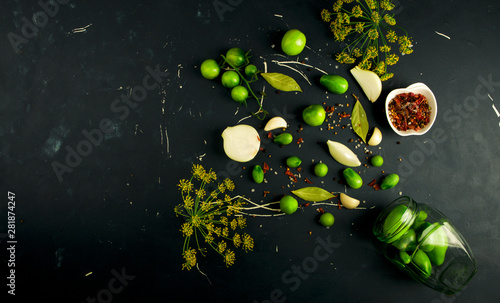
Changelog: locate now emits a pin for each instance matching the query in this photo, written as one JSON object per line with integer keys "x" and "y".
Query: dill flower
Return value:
{"x": 386, "y": 76}
{"x": 229, "y": 257}
{"x": 247, "y": 242}
{"x": 207, "y": 214}
{"x": 373, "y": 28}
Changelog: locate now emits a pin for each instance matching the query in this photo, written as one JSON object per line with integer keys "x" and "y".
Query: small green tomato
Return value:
{"x": 239, "y": 93}
{"x": 250, "y": 70}
{"x": 210, "y": 69}
{"x": 288, "y": 205}
{"x": 320, "y": 169}
{"x": 327, "y": 219}
{"x": 377, "y": 160}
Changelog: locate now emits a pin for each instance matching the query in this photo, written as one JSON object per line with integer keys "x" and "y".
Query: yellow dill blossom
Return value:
{"x": 190, "y": 256}
{"x": 224, "y": 221}
{"x": 234, "y": 224}
{"x": 380, "y": 68}
{"x": 225, "y": 232}
{"x": 406, "y": 50}
{"x": 348, "y": 1}
{"x": 206, "y": 206}
{"x": 209, "y": 177}
{"x": 386, "y": 5}
{"x": 210, "y": 227}
{"x": 373, "y": 34}
{"x": 188, "y": 202}
{"x": 187, "y": 229}
{"x": 229, "y": 257}
{"x": 392, "y": 59}
{"x": 389, "y": 19}
{"x": 359, "y": 27}
{"x": 357, "y": 11}
{"x": 356, "y": 52}
{"x": 372, "y": 4}
{"x": 404, "y": 41}
{"x": 371, "y": 52}
{"x": 365, "y": 64}
{"x": 221, "y": 187}
{"x": 386, "y": 76}
{"x": 337, "y": 6}
{"x": 201, "y": 193}
{"x": 236, "y": 240}
{"x": 391, "y": 36}
{"x": 325, "y": 15}
{"x": 229, "y": 184}
{"x": 221, "y": 247}
{"x": 242, "y": 222}
{"x": 185, "y": 185}
{"x": 198, "y": 171}
{"x": 385, "y": 48}
{"x": 218, "y": 231}
{"x": 375, "y": 16}
{"x": 196, "y": 221}
{"x": 209, "y": 238}
{"x": 178, "y": 209}
{"x": 247, "y": 242}
{"x": 344, "y": 58}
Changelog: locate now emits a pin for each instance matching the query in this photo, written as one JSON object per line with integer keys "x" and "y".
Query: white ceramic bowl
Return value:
{"x": 417, "y": 88}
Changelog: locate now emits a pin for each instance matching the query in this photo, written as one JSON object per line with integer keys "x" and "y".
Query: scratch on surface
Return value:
{"x": 490, "y": 97}
{"x": 161, "y": 135}
{"x": 441, "y": 34}
{"x": 279, "y": 16}
{"x": 80, "y": 29}
{"x": 168, "y": 141}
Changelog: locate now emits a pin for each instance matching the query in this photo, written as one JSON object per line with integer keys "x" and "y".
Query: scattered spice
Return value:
{"x": 266, "y": 192}
{"x": 320, "y": 210}
{"x": 300, "y": 141}
{"x": 301, "y": 128}
{"x": 265, "y": 167}
{"x": 308, "y": 181}
{"x": 409, "y": 111}
{"x": 290, "y": 175}
{"x": 306, "y": 204}
{"x": 270, "y": 135}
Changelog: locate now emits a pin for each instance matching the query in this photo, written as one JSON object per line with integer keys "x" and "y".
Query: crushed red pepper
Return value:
{"x": 409, "y": 111}
{"x": 290, "y": 174}
{"x": 308, "y": 181}
{"x": 265, "y": 167}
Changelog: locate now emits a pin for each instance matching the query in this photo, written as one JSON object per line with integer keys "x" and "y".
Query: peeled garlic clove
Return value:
{"x": 376, "y": 137}
{"x": 348, "y": 202}
{"x": 369, "y": 81}
{"x": 342, "y": 154}
{"x": 241, "y": 142}
{"x": 275, "y": 123}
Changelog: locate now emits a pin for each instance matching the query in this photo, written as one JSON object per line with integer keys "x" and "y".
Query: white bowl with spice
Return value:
{"x": 411, "y": 111}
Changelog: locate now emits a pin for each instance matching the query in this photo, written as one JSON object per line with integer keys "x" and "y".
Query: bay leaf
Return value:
{"x": 281, "y": 82}
{"x": 313, "y": 194}
{"x": 359, "y": 121}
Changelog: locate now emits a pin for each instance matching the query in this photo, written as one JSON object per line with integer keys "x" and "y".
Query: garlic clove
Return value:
{"x": 342, "y": 154}
{"x": 376, "y": 137}
{"x": 369, "y": 81}
{"x": 348, "y": 202}
{"x": 241, "y": 142}
{"x": 275, "y": 123}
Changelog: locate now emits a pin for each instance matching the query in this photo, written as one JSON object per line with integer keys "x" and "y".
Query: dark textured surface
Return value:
{"x": 114, "y": 210}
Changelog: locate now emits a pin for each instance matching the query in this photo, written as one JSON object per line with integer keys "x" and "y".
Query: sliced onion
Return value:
{"x": 241, "y": 142}
{"x": 342, "y": 154}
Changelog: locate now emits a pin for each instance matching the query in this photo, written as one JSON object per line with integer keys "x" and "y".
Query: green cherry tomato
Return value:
{"x": 293, "y": 162}
{"x": 389, "y": 181}
{"x": 239, "y": 93}
{"x": 377, "y": 160}
{"x": 314, "y": 115}
{"x": 250, "y": 70}
{"x": 210, "y": 69}
{"x": 230, "y": 79}
{"x": 334, "y": 83}
{"x": 352, "y": 178}
{"x": 320, "y": 169}
{"x": 327, "y": 219}
{"x": 288, "y": 205}
{"x": 293, "y": 42}
{"x": 236, "y": 56}
{"x": 258, "y": 174}
{"x": 283, "y": 139}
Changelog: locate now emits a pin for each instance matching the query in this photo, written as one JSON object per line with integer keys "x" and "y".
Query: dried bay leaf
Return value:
{"x": 313, "y": 194}
{"x": 359, "y": 121}
{"x": 281, "y": 82}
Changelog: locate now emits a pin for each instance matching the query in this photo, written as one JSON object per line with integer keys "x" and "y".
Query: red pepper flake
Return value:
{"x": 258, "y": 138}
{"x": 308, "y": 181}
{"x": 306, "y": 204}
{"x": 270, "y": 135}
{"x": 265, "y": 167}
{"x": 299, "y": 169}
{"x": 300, "y": 141}
{"x": 376, "y": 187}
{"x": 262, "y": 149}
{"x": 301, "y": 128}
{"x": 344, "y": 115}
{"x": 329, "y": 109}
{"x": 320, "y": 210}
{"x": 409, "y": 111}
{"x": 290, "y": 174}
{"x": 374, "y": 184}
{"x": 266, "y": 192}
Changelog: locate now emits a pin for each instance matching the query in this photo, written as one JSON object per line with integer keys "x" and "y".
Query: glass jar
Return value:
{"x": 424, "y": 243}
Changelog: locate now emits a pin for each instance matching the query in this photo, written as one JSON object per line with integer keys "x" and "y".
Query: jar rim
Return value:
{"x": 391, "y": 224}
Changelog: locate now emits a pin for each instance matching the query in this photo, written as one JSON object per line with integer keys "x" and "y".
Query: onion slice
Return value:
{"x": 369, "y": 81}
{"x": 241, "y": 142}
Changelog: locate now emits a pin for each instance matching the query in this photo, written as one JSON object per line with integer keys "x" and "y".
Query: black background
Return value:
{"x": 114, "y": 210}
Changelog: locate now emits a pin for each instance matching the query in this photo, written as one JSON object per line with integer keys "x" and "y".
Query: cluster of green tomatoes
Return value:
{"x": 238, "y": 74}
